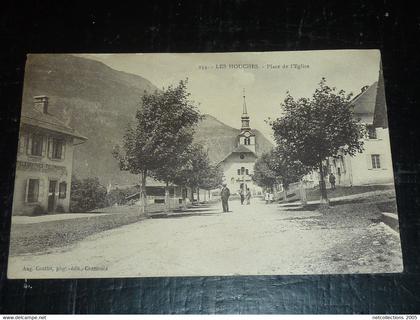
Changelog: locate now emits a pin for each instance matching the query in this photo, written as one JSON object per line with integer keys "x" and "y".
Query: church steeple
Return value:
{"x": 245, "y": 117}
{"x": 246, "y": 137}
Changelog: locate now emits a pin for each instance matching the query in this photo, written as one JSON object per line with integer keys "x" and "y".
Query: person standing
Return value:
{"x": 267, "y": 196}
{"x": 225, "y": 194}
{"x": 332, "y": 181}
{"x": 271, "y": 196}
{"x": 248, "y": 196}
{"x": 242, "y": 194}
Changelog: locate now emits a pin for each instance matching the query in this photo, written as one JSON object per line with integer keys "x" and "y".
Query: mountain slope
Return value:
{"x": 94, "y": 99}
{"x": 99, "y": 102}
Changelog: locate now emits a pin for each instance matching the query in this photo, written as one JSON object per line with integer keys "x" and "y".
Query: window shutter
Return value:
{"x": 44, "y": 146}
{"x": 382, "y": 161}
{"x": 29, "y": 145}
{"x": 41, "y": 190}
{"x": 50, "y": 147}
{"x": 63, "y": 149}
{"x": 22, "y": 140}
{"x": 369, "y": 161}
{"x": 26, "y": 190}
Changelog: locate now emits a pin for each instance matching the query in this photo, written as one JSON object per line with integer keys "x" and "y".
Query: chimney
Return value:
{"x": 41, "y": 104}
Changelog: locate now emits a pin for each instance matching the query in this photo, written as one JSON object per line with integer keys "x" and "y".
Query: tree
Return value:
{"x": 313, "y": 129}
{"x": 86, "y": 195}
{"x": 197, "y": 171}
{"x": 264, "y": 175}
{"x": 287, "y": 169}
{"x": 162, "y": 131}
{"x": 177, "y": 119}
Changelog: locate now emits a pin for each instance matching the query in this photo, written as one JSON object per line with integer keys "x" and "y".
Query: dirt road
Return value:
{"x": 258, "y": 239}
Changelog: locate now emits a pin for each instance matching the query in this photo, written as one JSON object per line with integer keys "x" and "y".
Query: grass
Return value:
{"x": 340, "y": 191}
{"x": 45, "y": 236}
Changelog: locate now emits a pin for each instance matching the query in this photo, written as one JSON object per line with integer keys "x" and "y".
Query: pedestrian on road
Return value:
{"x": 271, "y": 197}
{"x": 242, "y": 194}
{"x": 332, "y": 181}
{"x": 248, "y": 196}
{"x": 225, "y": 194}
{"x": 267, "y": 197}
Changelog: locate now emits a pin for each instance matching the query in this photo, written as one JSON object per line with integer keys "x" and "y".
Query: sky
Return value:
{"x": 265, "y": 77}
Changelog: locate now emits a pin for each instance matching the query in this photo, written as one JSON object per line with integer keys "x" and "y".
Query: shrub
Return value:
{"x": 38, "y": 210}
{"x": 86, "y": 195}
{"x": 60, "y": 209}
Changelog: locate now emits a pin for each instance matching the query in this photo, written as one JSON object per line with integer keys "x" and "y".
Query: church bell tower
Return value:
{"x": 246, "y": 137}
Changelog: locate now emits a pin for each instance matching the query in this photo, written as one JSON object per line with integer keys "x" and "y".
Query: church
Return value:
{"x": 238, "y": 165}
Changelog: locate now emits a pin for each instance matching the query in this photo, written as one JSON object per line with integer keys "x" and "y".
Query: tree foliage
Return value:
{"x": 196, "y": 171}
{"x": 163, "y": 130}
{"x": 287, "y": 169}
{"x": 316, "y": 128}
{"x": 264, "y": 175}
{"x": 86, "y": 195}
{"x": 275, "y": 167}
{"x": 313, "y": 129}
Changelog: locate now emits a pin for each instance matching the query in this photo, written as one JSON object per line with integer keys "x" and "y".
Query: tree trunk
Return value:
{"x": 142, "y": 193}
{"x": 302, "y": 190}
{"x": 184, "y": 198}
{"x": 284, "y": 194}
{"x": 167, "y": 204}
{"x": 192, "y": 195}
{"x": 198, "y": 195}
{"x": 322, "y": 187}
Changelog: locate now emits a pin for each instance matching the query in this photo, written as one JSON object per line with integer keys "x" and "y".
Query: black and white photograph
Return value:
{"x": 204, "y": 164}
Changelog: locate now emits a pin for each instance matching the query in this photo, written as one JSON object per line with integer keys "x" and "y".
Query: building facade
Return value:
{"x": 238, "y": 165}
{"x": 44, "y": 162}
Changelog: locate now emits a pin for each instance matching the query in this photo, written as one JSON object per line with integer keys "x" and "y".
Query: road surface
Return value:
{"x": 258, "y": 239}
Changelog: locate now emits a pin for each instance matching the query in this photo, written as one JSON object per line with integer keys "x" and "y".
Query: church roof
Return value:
{"x": 239, "y": 149}
{"x": 242, "y": 149}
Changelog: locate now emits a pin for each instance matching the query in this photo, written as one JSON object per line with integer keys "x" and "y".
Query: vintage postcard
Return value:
{"x": 204, "y": 164}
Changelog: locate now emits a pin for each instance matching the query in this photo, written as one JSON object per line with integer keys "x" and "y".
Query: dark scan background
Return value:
{"x": 182, "y": 26}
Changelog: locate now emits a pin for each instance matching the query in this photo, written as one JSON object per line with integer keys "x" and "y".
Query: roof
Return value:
{"x": 239, "y": 149}
{"x": 370, "y": 105}
{"x": 33, "y": 117}
{"x": 242, "y": 149}
{"x": 365, "y": 102}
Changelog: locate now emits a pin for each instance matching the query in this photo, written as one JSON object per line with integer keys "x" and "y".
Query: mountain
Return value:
{"x": 99, "y": 102}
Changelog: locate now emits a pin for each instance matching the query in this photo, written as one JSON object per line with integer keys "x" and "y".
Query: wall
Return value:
{"x": 230, "y": 170}
{"x": 359, "y": 168}
{"x": 42, "y": 168}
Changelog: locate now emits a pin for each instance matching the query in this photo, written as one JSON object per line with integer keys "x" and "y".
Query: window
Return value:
{"x": 247, "y": 141}
{"x": 239, "y": 172}
{"x": 33, "y": 190}
{"x": 36, "y": 148}
{"x": 371, "y": 132}
{"x": 242, "y": 170}
{"x": 376, "y": 162}
{"x": 246, "y": 172}
{"x": 57, "y": 148}
{"x": 62, "y": 189}
{"x": 242, "y": 156}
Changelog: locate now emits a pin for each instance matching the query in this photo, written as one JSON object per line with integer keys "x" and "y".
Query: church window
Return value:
{"x": 247, "y": 141}
{"x": 242, "y": 156}
{"x": 239, "y": 172}
{"x": 247, "y": 172}
{"x": 242, "y": 170}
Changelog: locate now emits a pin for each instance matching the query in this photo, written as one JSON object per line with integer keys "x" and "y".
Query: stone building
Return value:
{"x": 44, "y": 161}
